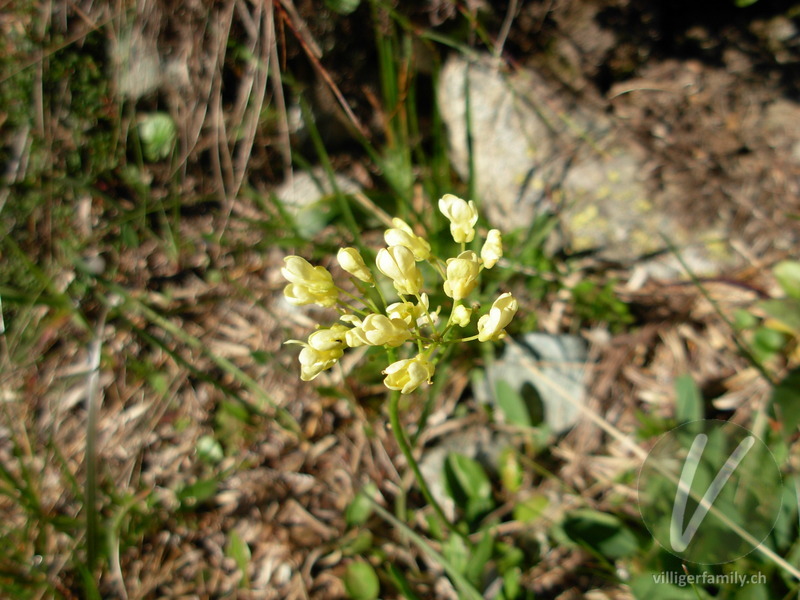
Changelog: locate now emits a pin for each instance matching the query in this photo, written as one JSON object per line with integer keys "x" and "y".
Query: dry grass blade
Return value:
{"x": 93, "y": 400}
{"x": 314, "y": 54}
{"x": 277, "y": 90}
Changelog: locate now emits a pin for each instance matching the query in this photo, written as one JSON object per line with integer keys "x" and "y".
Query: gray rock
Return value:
{"x": 307, "y": 197}
{"x": 536, "y": 151}
{"x": 521, "y": 147}
{"x": 553, "y": 365}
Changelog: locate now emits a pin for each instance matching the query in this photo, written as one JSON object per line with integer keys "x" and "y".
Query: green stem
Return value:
{"x": 367, "y": 295}
{"x": 347, "y": 305}
{"x": 354, "y": 297}
{"x": 405, "y": 448}
{"x": 427, "y": 314}
{"x": 462, "y": 340}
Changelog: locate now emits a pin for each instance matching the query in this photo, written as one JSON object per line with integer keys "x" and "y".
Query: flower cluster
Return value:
{"x": 411, "y": 319}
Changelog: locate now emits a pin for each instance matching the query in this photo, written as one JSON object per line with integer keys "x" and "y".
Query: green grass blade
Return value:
{"x": 465, "y": 588}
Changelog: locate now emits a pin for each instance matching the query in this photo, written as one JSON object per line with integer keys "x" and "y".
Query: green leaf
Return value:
{"x": 239, "y": 551}
{"x": 512, "y": 583}
{"x": 788, "y": 275}
{"x": 530, "y": 509}
{"x": 159, "y": 383}
{"x": 234, "y": 411}
{"x": 209, "y": 449}
{"x": 361, "y": 582}
{"x": 157, "y": 132}
{"x": 768, "y": 341}
{"x": 785, "y": 311}
{"x": 260, "y": 357}
{"x": 455, "y": 551}
{"x": 510, "y": 471}
{"x": 508, "y": 556}
{"x": 129, "y": 237}
{"x": 512, "y": 404}
{"x": 602, "y": 532}
{"x": 360, "y": 509}
{"x": 361, "y": 544}
{"x": 198, "y": 492}
{"x": 466, "y": 483}
{"x": 466, "y": 590}
{"x": 478, "y": 559}
{"x": 743, "y": 319}
{"x": 754, "y": 591}
{"x": 689, "y": 400}
{"x": 343, "y": 7}
{"x": 785, "y": 530}
{"x": 522, "y": 409}
{"x": 786, "y": 402}
{"x": 401, "y": 583}
{"x": 645, "y": 586}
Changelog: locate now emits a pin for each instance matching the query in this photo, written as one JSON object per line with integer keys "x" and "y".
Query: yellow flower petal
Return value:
{"x": 462, "y": 215}
{"x": 408, "y": 374}
{"x": 351, "y": 261}
{"x": 402, "y": 235}
{"x": 399, "y": 265}
{"x": 491, "y": 326}
{"x": 308, "y": 284}
{"x": 492, "y": 249}
{"x": 462, "y": 275}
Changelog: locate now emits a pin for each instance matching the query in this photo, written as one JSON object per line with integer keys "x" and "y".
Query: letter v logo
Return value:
{"x": 680, "y": 538}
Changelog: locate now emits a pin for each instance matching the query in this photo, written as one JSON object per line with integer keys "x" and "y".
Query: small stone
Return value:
{"x": 307, "y": 197}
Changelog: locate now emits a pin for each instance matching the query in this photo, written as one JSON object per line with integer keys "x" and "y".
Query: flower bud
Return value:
{"x": 378, "y": 330}
{"x": 492, "y": 249}
{"x": 331, "y": 338}
{"x": 313, "y": 361}
{"x": 398, "y": 264}
{"x": 461, "y": 315}
{"x": 414, "y": 313}
{"x": 350, "y": 260}
{"x": 308, "y": 284}
{"x": 323, "y": 350}
{"x": 462, "y": 215}
{"x": 462, "y": 275}
{"x": 402, "y": 235}
{"x": 492, "y": 325}
{"x": 407, "y": 375}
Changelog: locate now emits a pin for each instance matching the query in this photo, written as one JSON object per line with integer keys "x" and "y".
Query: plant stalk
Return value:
{"x": 405, "y": 448}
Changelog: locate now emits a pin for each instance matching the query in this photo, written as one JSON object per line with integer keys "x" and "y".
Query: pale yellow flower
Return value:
{"x": 413, "y": 313}
{"x": 462, "y": 215}
{"x": 351, "y": 261}
{"x": 308, "y": 284}
{"x": 462, "y": 275}
{"x": 323, "y": 349}
{"x": 378, "y": 330}
{"x": 492, "y": 249}
{"x": 407, "y": 375}
{"x": 331, "y": 338}
{"x": 461, "y": 315}
{"x": 399, "y": 265}
{"x": 313, "y": 361}
{"x": 402, "y": 235}
{"x": 492, "y": 325}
